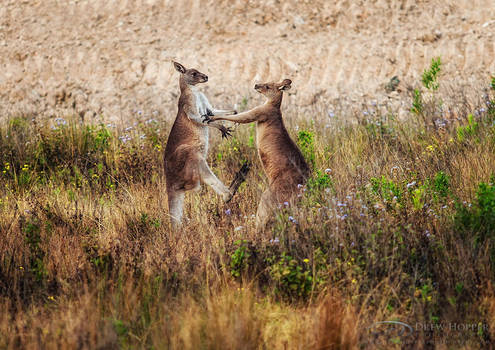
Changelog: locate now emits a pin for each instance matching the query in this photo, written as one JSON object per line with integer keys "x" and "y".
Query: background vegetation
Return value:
{"x": 397, "y": 223}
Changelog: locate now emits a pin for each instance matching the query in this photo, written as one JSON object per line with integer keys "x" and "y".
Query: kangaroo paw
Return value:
{"x": 226, "y": 132}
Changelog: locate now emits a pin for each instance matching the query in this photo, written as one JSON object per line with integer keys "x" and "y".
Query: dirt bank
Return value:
{"x": 112, "y": 58}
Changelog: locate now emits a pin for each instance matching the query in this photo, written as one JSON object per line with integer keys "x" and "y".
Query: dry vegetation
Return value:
{"x": 397, "y": 223}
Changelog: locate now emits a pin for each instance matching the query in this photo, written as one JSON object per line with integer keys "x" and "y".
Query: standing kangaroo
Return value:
{"x": 282, "y": 161}
{"x": 187, "y": 146}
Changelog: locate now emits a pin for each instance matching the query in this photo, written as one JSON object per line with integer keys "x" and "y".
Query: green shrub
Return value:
{"x": 32, "y": 232}
{"x": 386, "y": 189}
{"x": 305, "y": 140}
{"x": 469, "y": 130}
{"x": 417, "y": 104}
{"x": 319, "y": 181}
{"x": 418, "y": 197}
{"x": 429, "y": 77}
{"x": 479, "y": 218}
{"x": 239, "y": 258}
{"x": 434, "y": 190}
{"x": 476, "y": 221}
{"x": 291, "y": 279}
{"x": 441, "y": 185}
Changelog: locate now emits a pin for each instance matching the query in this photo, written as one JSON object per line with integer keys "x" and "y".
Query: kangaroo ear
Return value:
{"x": 285, "y": 85}
{"x": 179, "y": 67}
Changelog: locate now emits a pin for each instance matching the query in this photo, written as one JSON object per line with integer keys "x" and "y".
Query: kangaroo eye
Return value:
{"x": 267, "y": 87}
{"x": 194, "y": 74}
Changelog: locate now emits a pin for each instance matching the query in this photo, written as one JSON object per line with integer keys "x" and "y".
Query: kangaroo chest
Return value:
{"x": 200, "y": 106}
{"x": 200, "y": 103}
{"x": 263, "y": 144}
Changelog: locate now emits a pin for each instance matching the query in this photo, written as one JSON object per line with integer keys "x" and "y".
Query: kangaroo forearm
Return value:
{"x": 216, "y": 125}
{"x": 222, "y": 112}
{"x": 243, "y": 118}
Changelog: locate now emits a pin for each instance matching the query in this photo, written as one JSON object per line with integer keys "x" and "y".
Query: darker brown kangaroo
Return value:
{"x": 187, "y": 146}
{"x": 282, "y": 160}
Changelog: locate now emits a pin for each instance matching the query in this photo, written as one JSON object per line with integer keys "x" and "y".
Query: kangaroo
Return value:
{"x": 282, "y": 160}
{"x": 187, "y": 146}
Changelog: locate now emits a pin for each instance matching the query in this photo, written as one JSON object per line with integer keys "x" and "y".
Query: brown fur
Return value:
{"x": 187, "y": 145}
{"x": 282, "y": 160}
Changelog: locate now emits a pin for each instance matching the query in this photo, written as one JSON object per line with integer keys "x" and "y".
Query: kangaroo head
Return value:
{"x": 271, "y": 90}
{"x": 191, "y": 76}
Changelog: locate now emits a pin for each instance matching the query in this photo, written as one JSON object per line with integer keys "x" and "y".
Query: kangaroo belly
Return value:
{"x": 282, "y": 161}
{"x": 188, "y": 142}
{"x": 203, "y": 140}
{"x": 182, "y": 167}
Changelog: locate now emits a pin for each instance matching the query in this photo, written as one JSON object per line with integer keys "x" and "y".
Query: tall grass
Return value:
{"x": 396, "y": 224}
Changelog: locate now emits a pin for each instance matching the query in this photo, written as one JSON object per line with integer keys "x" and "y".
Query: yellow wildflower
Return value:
{"x": 430, "y": 148}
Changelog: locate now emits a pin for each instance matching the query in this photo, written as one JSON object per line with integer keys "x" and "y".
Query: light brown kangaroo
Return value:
{"x": 282, "y": 161}
{"x": 187, "y": 146}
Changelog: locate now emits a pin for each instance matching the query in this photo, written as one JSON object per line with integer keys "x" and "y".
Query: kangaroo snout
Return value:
{"x": 205, "y": 78}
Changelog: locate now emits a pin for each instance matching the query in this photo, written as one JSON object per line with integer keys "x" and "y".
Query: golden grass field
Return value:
{"x": 391, "y": 245}
{"x": 396, "y": 223}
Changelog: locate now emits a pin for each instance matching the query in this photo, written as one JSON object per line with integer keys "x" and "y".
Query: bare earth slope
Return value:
{"x": 112, "y": 58}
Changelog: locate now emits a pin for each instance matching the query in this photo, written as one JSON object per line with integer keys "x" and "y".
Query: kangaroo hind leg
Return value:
{"x": 175, "y": 207}
{"x": 211, "y": 180}
{"x": 265, "y": 210}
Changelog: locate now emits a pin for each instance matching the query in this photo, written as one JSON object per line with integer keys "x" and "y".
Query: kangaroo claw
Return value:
{"x": 226, "y": 132}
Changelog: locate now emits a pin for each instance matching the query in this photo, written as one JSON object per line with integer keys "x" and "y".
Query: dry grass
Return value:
{"x": 87, "y": 259}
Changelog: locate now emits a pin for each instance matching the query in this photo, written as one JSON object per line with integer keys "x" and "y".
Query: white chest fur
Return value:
{"x": 202, "y": 104}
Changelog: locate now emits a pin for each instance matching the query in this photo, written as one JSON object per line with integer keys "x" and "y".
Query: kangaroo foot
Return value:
{"x": 240, "y": 177}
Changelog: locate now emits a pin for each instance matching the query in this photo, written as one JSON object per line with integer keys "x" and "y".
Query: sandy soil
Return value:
{"x": 112, "y": 58}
